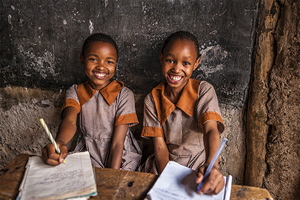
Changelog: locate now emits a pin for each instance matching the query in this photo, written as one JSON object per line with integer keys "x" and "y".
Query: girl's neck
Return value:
{"x": 98, "y": 87}
{"x": 173, "y": 94}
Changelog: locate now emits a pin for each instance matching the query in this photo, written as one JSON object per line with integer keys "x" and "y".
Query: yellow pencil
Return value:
{"x": 50, "y": 135}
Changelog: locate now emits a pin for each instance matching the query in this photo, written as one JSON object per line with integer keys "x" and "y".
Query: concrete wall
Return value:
{"x": 40, "y": 47}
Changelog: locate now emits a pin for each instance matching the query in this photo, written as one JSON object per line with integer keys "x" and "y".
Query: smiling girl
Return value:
{"x": 182, "y": 114}
{"x": 106, "y": 110}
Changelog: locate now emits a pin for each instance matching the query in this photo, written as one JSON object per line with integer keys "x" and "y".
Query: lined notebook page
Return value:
{"x": 73, "y": 178}
{"x": 178, "y": 182}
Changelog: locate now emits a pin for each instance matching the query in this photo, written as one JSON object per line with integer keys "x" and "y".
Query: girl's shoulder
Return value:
{"x": 149, "y": 98}
{"x": 126, "y": 91}
{"x": 72, "y": 90}
{"x": 204, "y": 85}
{"x": 125, "y": 96}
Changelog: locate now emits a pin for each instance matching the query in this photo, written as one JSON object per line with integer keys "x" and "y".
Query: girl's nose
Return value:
{"x": 100, "y": 65}
{"x": 176, "y": 68}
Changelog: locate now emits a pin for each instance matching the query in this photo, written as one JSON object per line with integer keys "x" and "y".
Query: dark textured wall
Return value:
{"x": 41, "y": 41}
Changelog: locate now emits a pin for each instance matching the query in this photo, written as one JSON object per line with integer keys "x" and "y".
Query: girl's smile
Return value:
{"x": 100, "y": 75}
{"x": 174, "y": 78}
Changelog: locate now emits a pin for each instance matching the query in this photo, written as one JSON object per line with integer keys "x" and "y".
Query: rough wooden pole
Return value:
{"x": 257, "y": 128}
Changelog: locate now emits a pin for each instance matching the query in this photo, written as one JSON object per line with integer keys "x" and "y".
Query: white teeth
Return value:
{"x": 100, "y": 75}
{"x": 175, "y": 78}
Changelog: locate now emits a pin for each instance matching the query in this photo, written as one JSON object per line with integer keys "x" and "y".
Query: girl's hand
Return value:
{"x": 213, "y": 184}
{"x": 51, "y": 156}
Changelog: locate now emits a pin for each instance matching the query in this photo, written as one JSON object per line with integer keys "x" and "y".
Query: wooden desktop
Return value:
{"x": 111, "y": 184}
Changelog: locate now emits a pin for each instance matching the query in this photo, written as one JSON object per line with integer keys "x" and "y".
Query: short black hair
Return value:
{"x": 98, "y": 37}
{"x": 182, "y": 35}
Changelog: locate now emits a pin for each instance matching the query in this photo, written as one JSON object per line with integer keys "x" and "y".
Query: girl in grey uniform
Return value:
{"x": 182, "y": 114}
{"x": 106, "y": 110}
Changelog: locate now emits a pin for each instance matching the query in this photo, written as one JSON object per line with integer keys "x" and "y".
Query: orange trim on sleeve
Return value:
{"x": 210, "y": 115}
{"x": 127, "y": 119}
{"x": 149, "y": 131}
{"x": 71, "y": 102}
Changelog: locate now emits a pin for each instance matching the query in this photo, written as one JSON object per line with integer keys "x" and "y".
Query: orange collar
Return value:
{"x": 186, "y": 102}
{"x": 109, "y": 92}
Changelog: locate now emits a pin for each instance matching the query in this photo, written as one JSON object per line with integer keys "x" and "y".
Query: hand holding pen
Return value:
{"x": 55, "y": 152}
{"x": 212, "y": 181}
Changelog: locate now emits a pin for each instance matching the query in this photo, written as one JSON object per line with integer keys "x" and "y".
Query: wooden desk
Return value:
{"x": 111, "y": 184}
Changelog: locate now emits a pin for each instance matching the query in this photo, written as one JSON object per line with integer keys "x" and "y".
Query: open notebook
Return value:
{"x": 72, "y": 179}
{"x": 178, "y": 182}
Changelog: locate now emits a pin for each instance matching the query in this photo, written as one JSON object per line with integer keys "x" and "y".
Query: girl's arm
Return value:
{"x": 215, "y": 181}
{"x": 65, "y": 133}
{"x": 161, "y": 153}
{"x": 211, "y": 139}
{"x": 116, "y": 149}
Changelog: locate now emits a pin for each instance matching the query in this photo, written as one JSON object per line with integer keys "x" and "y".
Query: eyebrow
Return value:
{"x": 186, "y": 57}
{"x": 169, "y": 54}
{"x": 111, "y": 58}
{"x": 98, "y": 56}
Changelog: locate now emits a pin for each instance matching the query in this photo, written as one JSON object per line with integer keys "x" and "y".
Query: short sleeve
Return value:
{"x": 151, "y": 124}
{"x": 126, "y": 113}
{"x": 72, "y": 99}
{"x": 207, "y": 106}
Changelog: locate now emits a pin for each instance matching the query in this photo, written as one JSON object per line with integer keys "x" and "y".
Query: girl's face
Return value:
{"x": 178, "y": 60}
{"x": 99, "y": 62}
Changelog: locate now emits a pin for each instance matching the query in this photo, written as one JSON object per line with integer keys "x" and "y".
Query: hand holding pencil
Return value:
{"x": 212, "y": 181}
{"x": 48, "y": 152}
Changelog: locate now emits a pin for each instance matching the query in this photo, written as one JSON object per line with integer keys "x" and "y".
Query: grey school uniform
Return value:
{"x": 99, "y": 113}
{"x": 181, "y": 124}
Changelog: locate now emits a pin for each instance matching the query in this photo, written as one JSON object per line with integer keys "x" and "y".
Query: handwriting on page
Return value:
{"x": 178, "y": 182}
{"x": 56, "y": 177}
{"x": 74, "y": 177}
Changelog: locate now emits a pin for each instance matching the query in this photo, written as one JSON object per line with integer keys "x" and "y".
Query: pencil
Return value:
{"x": 212, "y": 163}
{"x": 50, "y": 135}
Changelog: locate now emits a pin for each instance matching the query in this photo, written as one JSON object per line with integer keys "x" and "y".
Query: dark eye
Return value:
{"x": 93, "y": 59}
{"x": 169, "y": 61}
{"x": 110, "y": 62}
{"x": 186, "y": 63}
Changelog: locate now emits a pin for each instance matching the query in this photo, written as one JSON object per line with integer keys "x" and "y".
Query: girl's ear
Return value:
{"x": 197, "y": 63}
{"x": 160, "y": 57}
{"x": 81, "y": 59}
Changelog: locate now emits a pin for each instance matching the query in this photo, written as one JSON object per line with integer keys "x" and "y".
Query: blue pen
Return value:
{"x": 211, "y": 164}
